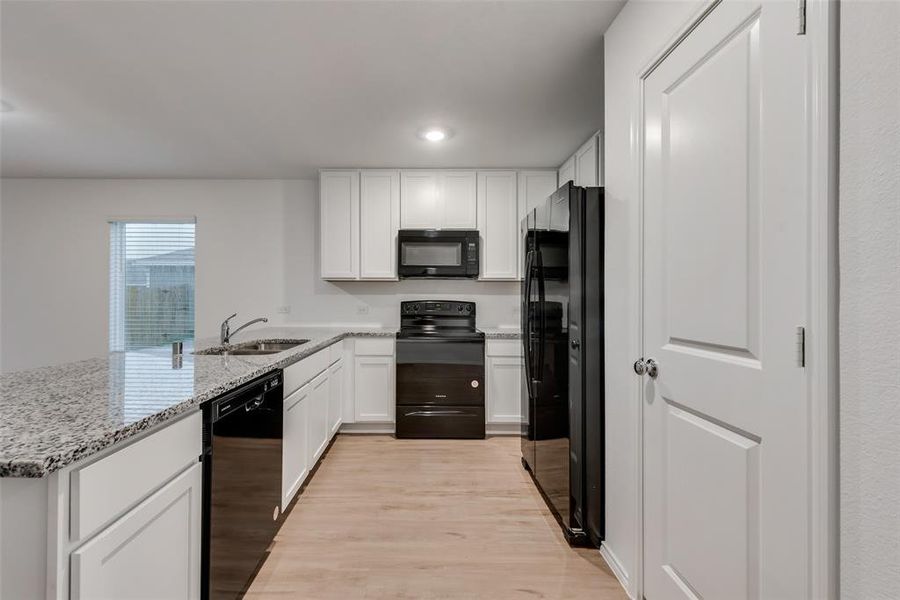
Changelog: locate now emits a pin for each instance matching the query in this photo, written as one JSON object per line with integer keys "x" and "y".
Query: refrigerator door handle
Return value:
{"x": 526, "y": 319}
{"x": 542, "y": 320}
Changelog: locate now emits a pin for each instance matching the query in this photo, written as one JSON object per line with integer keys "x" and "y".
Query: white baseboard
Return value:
{"x": 378, "y": 427}
{"x": 503, "y": 429}
{"x": 616, "y": 567}
{"x": 383, "y": 428}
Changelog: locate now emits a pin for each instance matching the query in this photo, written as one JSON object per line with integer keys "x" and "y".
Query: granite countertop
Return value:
{"x": 53, "y": 416}
{"x": 501, "y": 333}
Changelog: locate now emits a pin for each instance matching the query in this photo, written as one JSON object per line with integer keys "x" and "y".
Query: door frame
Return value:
{"x": 821, "y": 381}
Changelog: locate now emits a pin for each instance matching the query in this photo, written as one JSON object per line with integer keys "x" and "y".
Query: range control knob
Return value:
{"x": 459, "y": 307}
{"x": 416, "y": 308}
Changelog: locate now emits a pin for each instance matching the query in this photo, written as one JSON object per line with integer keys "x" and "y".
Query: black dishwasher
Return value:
{"x": 242, "y": 439}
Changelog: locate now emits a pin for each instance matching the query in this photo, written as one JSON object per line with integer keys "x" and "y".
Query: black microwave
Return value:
{"x": 437, "y": 253}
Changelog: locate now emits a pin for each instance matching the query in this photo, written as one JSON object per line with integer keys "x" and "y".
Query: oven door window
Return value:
{"x": 431, "y": 254}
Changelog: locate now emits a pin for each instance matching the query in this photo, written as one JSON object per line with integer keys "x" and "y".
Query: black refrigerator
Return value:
{"x": 562, "y": 335}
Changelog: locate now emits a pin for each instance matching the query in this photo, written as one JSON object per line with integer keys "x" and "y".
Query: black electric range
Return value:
{"x": 440, "y": 371}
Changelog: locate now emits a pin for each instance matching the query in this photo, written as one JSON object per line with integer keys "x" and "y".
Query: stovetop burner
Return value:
{"x": 438, "y": 319}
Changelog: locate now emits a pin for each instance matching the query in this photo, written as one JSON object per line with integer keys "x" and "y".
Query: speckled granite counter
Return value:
{"x": 53, "y": 416}
{"x": 501, "y": 333}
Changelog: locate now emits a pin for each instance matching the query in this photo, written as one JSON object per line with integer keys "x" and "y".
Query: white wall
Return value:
{"x": 55, "y": 264}
{"x": 256, "y": 250}
{"x": 638, "y": 34}
{"x": 870, "y": 300}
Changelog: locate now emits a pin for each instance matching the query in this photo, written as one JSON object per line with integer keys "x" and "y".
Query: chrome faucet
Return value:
{"x": 226, "y": 333}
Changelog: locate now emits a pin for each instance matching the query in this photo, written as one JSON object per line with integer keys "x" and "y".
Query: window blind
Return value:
{"x": 151, "y": 283}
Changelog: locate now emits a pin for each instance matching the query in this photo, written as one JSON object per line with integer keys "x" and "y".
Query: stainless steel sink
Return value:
{"x": 279, "y": 346}
{"x": 256, "y": 348}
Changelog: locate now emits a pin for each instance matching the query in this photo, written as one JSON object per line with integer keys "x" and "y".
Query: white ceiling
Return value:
{"x": 263, "y": 89}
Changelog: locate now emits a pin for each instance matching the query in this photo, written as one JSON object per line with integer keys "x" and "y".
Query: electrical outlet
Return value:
{"x": 283, "y": 310}
{"x": 362, "y": 309}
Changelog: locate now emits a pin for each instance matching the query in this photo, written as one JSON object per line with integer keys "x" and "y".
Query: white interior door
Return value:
{"x": 726, "y": 502}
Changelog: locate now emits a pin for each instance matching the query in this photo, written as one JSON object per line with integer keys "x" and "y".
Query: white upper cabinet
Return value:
{"x": 438, "y": 200}
{"x": 456, "y": 190}
{"x": 587, "y": 164}
{"x": 498, "y": 218}
{"x": 379, "y": 206}
{"x": 585, "y": 167}
{"x": 534, "y": 189}
{"x": 419, "y": 206}
{"x": 339, "y": 224}
{"x": 361, "y": 212}
{"x": 567, "y": 171}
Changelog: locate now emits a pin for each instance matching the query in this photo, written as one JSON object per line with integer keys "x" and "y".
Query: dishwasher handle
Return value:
{"x": 255, "y": 403}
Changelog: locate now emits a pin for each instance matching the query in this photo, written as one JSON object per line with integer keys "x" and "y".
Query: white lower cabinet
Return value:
{"x": 503, "y": 374}
{"x": 152, "y": 551}
{"x": 294, "y": 455}
{"x": 312, "y": 414}
{"x": 318, "y": 430}
{"x": 336, "y": 389}
{"x": 374, "y": 387}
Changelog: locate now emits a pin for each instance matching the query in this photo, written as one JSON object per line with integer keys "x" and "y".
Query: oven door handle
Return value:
{"x": 440, "y": 340}
{"x": 438, "y": 413}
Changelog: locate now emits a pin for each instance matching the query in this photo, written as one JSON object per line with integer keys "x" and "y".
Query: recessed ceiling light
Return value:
{"x": 434, "y": 134}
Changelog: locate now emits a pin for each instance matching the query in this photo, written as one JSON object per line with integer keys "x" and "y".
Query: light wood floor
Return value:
{"x": 388, "y": 519}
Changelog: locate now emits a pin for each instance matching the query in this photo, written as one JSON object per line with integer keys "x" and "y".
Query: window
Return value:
{"x": 151, "y": 283}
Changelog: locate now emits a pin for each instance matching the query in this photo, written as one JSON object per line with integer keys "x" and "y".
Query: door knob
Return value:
{"x": 652, "y": 368}
{"x": 575, "y": 344}
{"x": 639, "y": 366}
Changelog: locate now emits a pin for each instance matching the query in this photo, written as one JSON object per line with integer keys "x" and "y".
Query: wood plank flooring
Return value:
{"x": 426, "y": 519}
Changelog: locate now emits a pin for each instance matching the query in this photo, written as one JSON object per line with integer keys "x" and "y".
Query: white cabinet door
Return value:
{"x": 152, "y": 552}
{"x": 379, "y": 208}
{"x": 438, "y": 200}
{"x": 374, "y": 388}
{"x": 419, "y": 202}
{"x": 498, "y": 224}
{"x": 348, "y": 402}
{"x": 587, "y": 164}
{"x": 504, "y": 389}
{"x": 335, "y": 396}
{"x": 534, "y": 189}
{"x": 294, "y": 454}
{"x": 458, "y": 198}
{"x": 339, "y": 224}
{"x": 566, "y": 171}
{"x": 317, "y": 433}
